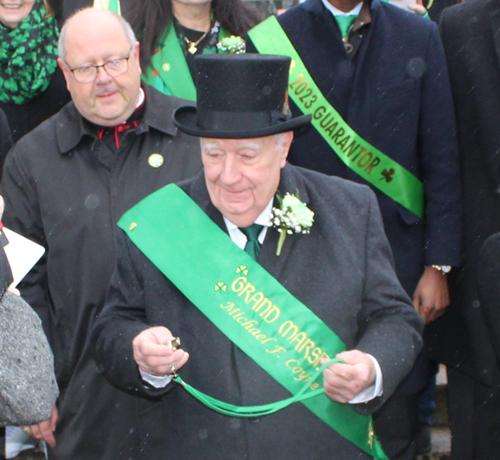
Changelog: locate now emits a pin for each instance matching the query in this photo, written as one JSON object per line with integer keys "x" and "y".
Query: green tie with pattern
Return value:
{"x": 252, "y": 248}
{"x": 345, "y": 23}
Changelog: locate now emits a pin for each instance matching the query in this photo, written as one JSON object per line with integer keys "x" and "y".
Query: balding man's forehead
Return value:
{"x": 93, "y": 22}
{"x": 90, "y": 26}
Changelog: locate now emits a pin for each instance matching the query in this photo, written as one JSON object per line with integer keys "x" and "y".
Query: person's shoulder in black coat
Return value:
{"x": 467, "y": 11}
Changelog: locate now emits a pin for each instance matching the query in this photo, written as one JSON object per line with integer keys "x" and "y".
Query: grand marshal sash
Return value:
{"x": 168, "y": 71}
{"x": 244, "y": 301}
{"x": 370, "y": 163}
{"x": 112, "y": 5}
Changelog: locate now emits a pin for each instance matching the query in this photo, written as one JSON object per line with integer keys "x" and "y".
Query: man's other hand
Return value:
{"x": 45, "y": 430}
{"x": 342, "y": 382}
{"x": 153, "y": 355}
{"x": 431, "y": 297}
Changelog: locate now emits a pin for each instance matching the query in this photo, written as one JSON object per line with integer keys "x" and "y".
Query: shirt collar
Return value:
{"x": 362, "y": 10}
{"x": 337, "y": 12}
{"x": 239, "y": 238}
{"x": 72, "y": 127}
{"x": 264, "y": 217}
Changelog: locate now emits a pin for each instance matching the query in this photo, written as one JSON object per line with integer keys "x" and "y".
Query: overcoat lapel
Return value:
{"x": 324, "y": 18}
{"x": 369, "y": 56}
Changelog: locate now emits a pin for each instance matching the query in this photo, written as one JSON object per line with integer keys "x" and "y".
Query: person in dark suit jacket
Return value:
{"x": 342, "y": 271}
{"x": 470, "y": 33}
{"x": 397, "y": 98}
{"x": 386, "y": 77}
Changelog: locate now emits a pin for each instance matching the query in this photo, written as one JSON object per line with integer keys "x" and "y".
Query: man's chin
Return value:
{"x": 111, "y": 117}
{"x": 242, "y": 216}
{"x": 235, "y": 207}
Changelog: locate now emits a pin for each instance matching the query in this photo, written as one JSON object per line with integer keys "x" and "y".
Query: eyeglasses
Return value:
{"x": 113, "y": 68}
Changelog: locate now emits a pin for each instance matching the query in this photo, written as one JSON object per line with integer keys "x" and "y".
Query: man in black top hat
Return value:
{"x": 306, "y": 289}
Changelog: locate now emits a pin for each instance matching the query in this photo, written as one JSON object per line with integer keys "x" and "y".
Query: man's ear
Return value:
{"x": 285, "y": 146}
{"x": 137, "y": 54}
{"x": 65, "y": 71}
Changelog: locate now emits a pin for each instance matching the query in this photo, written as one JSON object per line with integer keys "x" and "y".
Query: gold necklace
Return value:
{"x": 192, "y": 46}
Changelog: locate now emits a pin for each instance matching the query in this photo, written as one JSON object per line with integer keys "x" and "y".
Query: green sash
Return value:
{"x": 169, "y": 62}
{"x": 112, "y": 5}
{"x": 359, "y": 155}
{"x": 244, "y": 301}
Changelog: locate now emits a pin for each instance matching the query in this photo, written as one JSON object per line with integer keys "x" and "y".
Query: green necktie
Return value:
{"x": 252, "y": 248}
{"x": 345, "y": 23}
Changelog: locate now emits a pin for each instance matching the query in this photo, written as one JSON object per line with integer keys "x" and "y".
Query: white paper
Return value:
{"x": 22, "y": 254}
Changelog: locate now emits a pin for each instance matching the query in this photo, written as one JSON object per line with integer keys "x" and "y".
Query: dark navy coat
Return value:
{"x": 396, "y": 95}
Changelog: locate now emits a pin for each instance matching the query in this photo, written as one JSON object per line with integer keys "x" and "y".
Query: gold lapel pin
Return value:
{"x": 155, "y": 160}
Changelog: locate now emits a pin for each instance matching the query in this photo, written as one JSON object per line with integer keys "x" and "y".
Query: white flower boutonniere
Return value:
{"x": 232, "y": 45}
{"x": 293, "y": 217}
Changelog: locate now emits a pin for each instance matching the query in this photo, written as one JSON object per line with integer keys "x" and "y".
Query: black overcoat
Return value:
{"x": 65, "y": 189}
{"x": 342, "y": 271}
{"x": 489, "y": 288}
{"x": 471, "y": 37}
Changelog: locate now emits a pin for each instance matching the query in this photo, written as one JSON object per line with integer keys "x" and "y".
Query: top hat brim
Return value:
{"x": 185, "y": 120}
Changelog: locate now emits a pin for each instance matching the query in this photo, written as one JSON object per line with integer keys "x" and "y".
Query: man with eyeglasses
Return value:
{"x": 65, "y": 186}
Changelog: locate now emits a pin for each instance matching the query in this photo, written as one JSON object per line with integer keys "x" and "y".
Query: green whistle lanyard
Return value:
{"x": 256, "y": 411}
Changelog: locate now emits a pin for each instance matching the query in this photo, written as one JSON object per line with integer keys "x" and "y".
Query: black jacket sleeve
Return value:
{"x": 122, "y": 319}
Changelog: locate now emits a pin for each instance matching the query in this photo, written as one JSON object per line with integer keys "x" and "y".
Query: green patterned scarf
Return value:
{"x": 27, "y": 56}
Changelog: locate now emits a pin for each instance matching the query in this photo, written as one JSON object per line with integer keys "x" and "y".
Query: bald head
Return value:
{"x": 99, "y": 57}
{"x": 89, "y": 20}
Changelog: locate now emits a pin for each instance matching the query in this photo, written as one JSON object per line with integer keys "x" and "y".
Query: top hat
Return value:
{"x": 240, "y": 96}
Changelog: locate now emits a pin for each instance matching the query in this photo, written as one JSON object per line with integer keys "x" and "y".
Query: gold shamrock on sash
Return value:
{"x": 242, "y": 269}
{"x": 220, "y": 286}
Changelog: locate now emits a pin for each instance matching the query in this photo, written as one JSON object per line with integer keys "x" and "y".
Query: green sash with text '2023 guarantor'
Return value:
{"x": 244, "y": 301}
{"x": 370, "y": 163}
